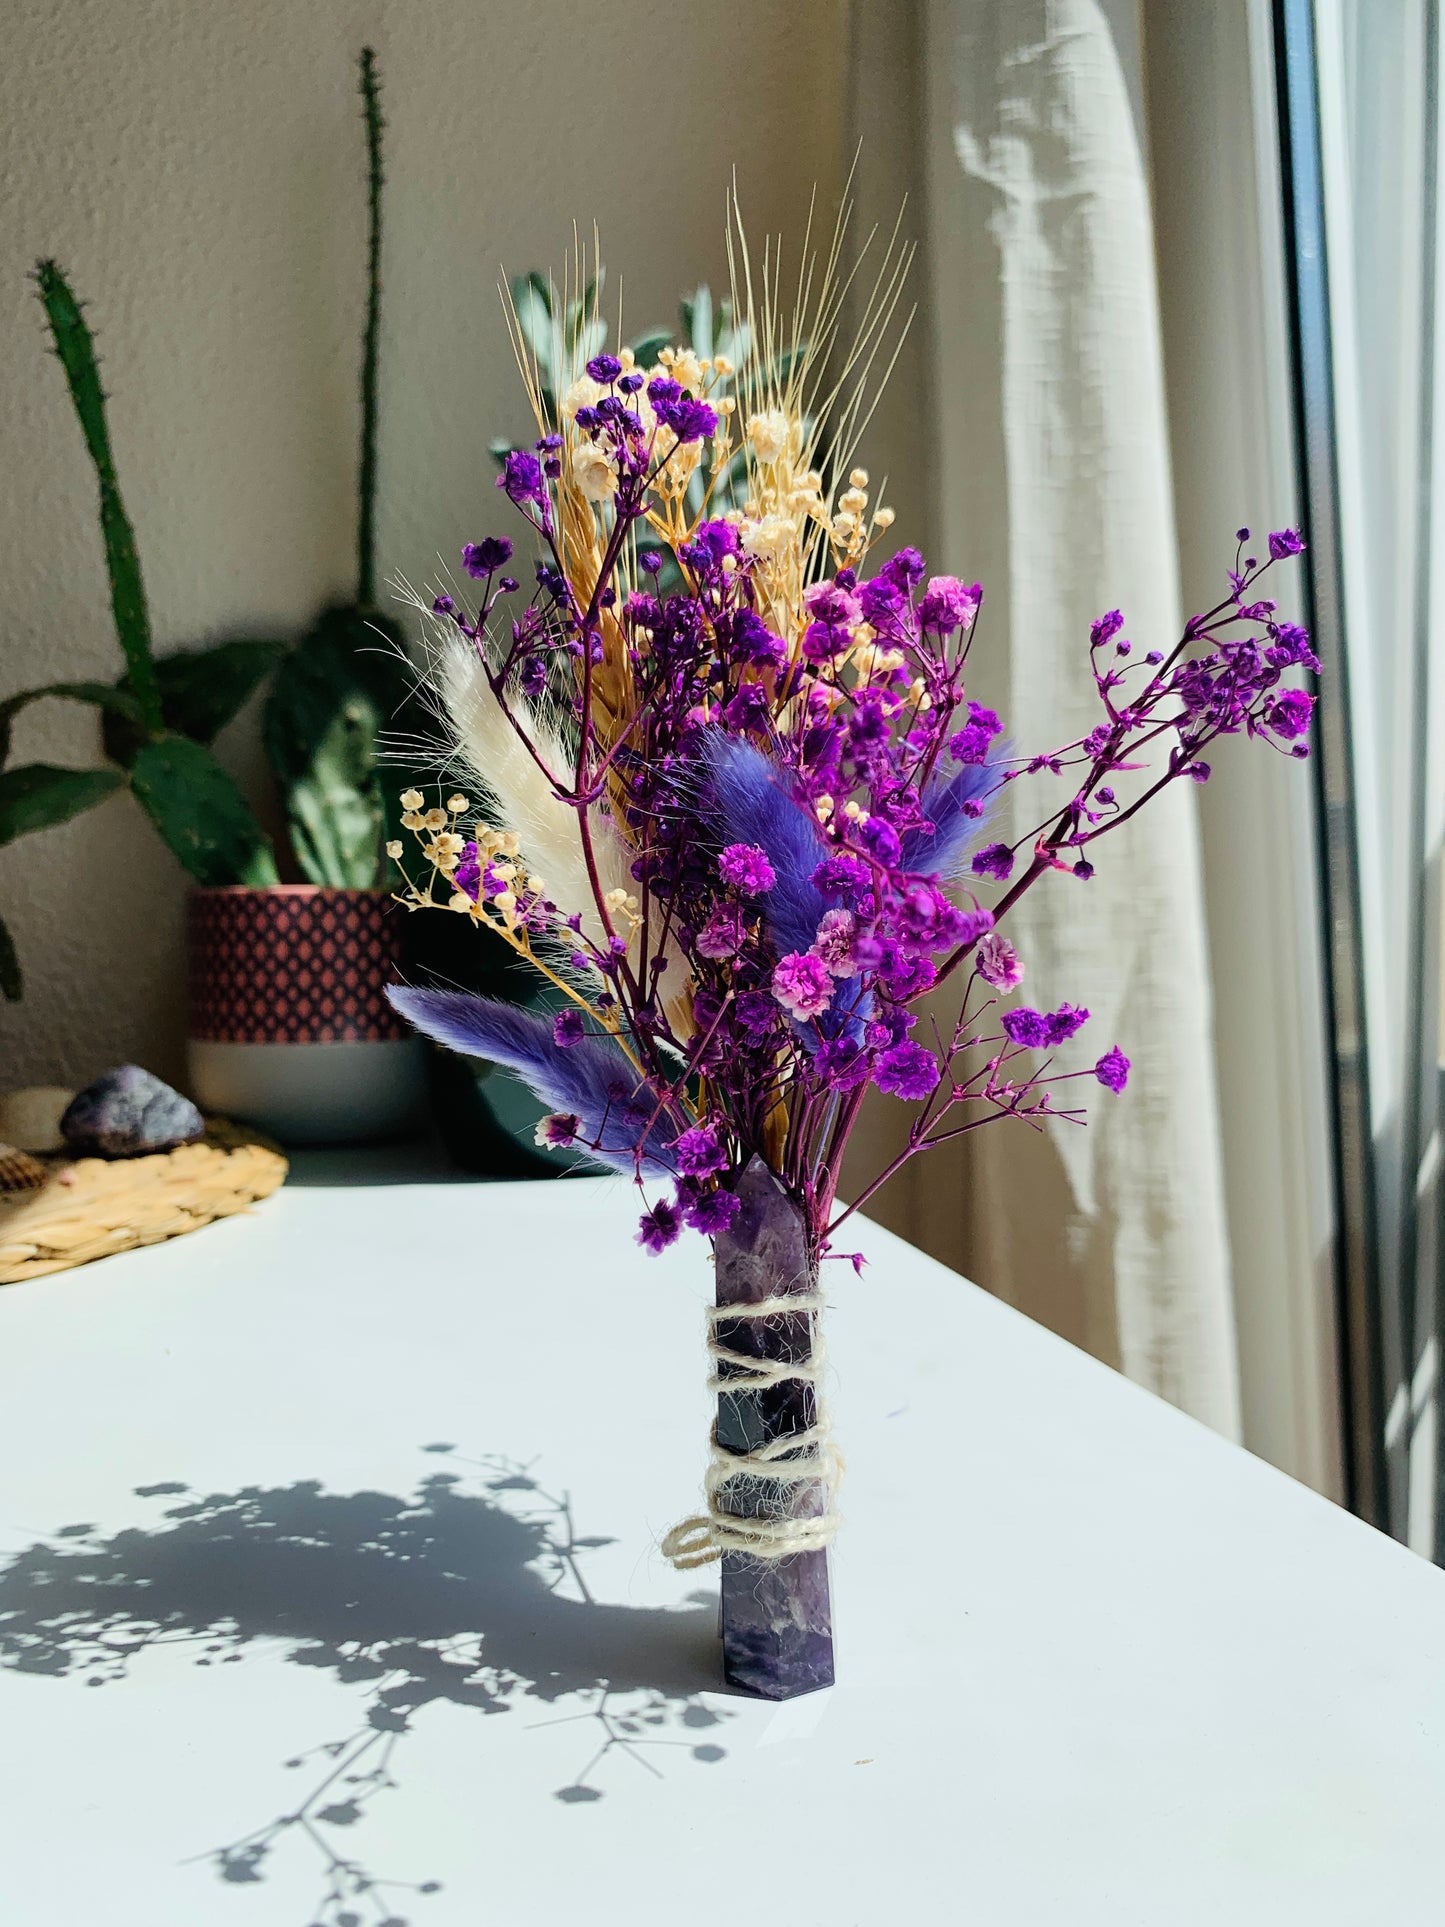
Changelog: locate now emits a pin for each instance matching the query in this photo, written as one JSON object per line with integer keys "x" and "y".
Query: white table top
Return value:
{"x": 1095, "y": 1665}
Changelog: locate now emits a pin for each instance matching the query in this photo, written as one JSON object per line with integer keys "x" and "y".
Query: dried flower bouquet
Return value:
{"x": 741, "y": 824}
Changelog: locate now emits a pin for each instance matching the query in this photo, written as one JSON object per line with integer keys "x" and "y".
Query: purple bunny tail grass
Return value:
{"x": 752, "y": 802}
{"x": 939, "y": 848}
{"x": 591, "y": 1080}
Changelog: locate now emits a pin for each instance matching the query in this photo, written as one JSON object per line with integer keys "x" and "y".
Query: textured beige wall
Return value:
{"x": 196, "y": 168}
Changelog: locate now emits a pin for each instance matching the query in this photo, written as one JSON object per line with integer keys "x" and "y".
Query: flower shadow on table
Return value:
{"x": 470, "y": 1592}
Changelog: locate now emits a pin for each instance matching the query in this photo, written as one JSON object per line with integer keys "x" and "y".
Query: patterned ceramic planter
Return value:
{"x": 290, "y": 1028}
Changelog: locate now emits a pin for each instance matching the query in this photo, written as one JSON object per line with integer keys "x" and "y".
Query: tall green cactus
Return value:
{"x": 159, "y": 718}
{"x": 344, "y": 681}
{"x": 76, "y": 349}
{"x": 371, "y": 334}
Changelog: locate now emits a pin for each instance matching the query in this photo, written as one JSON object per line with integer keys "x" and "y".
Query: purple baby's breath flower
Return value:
{"x": 1112, "y": 1070}
{"x": 841, "y": 1064}
{"x": 604, "y": 369}
{"x": 567, "y": 1028}
{"x": 831, "y": 603}
{"x": 443, "y": 605}
{"x": 1289, "y": 715}
{"x": 487, "y": 556}
{"x": 757, "y": 1012}
{"x": 468, "y": 874}
{"x": 994, "y": 860}
{"x": 749, "y": 709}
{"x": 906, "y": 568}
{"x": 802, "y": 984}
{"x": 699, "y": 1153}
{"x": 947, "y": 605}
{"x": 723, "y": 935}
{"x": 1061, "y": 1024}
{"x": 556, "y": 1132}
{"x": 689, "y": 420}
{"x": 880, "y": 600}
{"x": 998, "y": 963}
{"x": 521, "y": 477}
{"x": 1105, "y": 629}
{"x": 906, "y": 1070}
{"x": 1026, "y": 1027}
{"x": 754, "y": 643}
{"x": 711, "y": 1211}
{"x": 971, "y": 743}
{"x": 1283, "y": 542}
{"x": 841, "y": 876}
{"x": 746, "y": 868}
{"x": 834, "y": 943}
{"x": 659, "y": 1227}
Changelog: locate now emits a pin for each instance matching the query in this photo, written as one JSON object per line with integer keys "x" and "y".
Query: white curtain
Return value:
{"x": 1052, "y": 484}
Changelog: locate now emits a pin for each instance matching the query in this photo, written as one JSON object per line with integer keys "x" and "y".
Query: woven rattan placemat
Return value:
{"x": 94, "y": 1207}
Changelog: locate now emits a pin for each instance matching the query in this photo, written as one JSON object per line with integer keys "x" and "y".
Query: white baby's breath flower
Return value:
{"x": 768, "y": 538}
{"x": 412, "y": 799}
{"x": 456, "y": 804}
{"x": 393, "y": 848}
{"x": 687, "y": 369}
{"x": 584, "y": 393}
{"x": 768, "y": 433}
{"x": 593, "y": 472}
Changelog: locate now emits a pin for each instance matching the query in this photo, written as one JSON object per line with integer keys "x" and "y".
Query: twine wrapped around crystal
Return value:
{"x": 807, "y": 1457}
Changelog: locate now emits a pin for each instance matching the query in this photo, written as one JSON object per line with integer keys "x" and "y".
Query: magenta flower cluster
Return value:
{"x": 806, "y": 819}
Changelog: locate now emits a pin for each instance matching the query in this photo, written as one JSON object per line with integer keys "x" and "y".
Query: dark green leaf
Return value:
{"x": 115, "y": 701}
{"x": 202, "y": 689}
{"x": 201, "y": 814}
{"x": 36, "y": 796}
{"x": 12, "y": 983}
{"x": 648, "y": 347}
{"x": 76, "y": 350}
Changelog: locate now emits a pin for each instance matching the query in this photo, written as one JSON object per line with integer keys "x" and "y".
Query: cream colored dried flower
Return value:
{"x": 768, "y": 433}
{"x": 393, "y": 848}
{"x": 769, "y": 538}
{"x": 412, "y": 799}
{"x": 593, "y": 472}
{"x": 687, "y": 369}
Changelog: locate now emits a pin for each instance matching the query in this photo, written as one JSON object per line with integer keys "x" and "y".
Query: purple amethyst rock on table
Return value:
{"x": 127, "y": 1113}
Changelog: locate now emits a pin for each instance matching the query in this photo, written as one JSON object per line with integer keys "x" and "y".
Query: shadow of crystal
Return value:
{"x": 468, "y": 1591}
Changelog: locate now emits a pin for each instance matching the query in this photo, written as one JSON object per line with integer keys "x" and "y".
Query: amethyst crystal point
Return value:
{"x": 777, "y": 1614}
{"x": 128, "y": 1112}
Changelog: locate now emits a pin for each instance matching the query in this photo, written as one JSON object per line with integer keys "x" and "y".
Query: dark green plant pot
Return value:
{"x": 486, "y": 1117}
